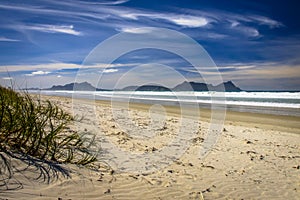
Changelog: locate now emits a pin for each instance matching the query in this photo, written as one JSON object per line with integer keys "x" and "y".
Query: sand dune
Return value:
{"x": 251, "y": 160}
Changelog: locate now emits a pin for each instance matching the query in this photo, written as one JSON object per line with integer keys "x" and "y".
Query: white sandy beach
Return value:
{"x": 256, "y": 157}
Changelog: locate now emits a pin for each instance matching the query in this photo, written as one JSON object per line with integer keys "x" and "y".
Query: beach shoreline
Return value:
{"x": 256, "y": 157}
{"x": 272, "y": 103}
{"x": 250, "y": 119}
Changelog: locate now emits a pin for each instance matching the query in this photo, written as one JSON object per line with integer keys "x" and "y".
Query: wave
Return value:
{"x": 260, "y": 100}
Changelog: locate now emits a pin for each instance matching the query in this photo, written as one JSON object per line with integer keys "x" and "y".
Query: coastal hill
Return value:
{"x": 188, "y": 86}
{"x": 157, "y": 88}
{"x": 71, "y": 86}
{"x": 185, "y": 86}
{"x": 84, "y": 86}
{"x": 229, "y": 87}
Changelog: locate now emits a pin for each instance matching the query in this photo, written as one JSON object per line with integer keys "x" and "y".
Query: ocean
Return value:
{"x": 278, "y": 103}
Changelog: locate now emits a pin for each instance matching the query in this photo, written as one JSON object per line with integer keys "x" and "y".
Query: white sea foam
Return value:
{"x": 267, "y": 99}
{"x": 253, "y": 99}
{"x": 295, "y": 95}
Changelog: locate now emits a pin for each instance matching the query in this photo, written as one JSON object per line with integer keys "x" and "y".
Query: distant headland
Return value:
{"x": 184, "y": 86}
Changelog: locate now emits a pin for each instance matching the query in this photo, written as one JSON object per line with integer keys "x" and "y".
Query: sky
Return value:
{"x": 256, "y": 44}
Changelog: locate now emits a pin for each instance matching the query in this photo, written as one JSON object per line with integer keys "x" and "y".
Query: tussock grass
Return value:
{"x": 37, "y": 128}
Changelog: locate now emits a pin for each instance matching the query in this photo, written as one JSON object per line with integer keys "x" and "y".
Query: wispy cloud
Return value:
{"x": 211, "y": 35}
{"x": 235, "y": 18}
{"x": 270, "y": 72}
{"x": 263, "y": 70}
{"x": 117, "y": 2}
{"x": 47, "y": 68}
{"x": 135, "y": 30}
{"x": 5, "y": 39}
{"x": 26, "y": 8}
{"x": 40, "y": 67}
{"x": 38, "y": 73}
{"x": 90, "y": 3}
{"x": 247, "y": 24}
{"x": 229, "y": 71}
{"x": 110, "y": 70}
{"x": 88, "y": 11}
{"x": 189, "y": 21}
{"x": 264, "y": 21}
{"x": 248, "y": 31}
{"x": 104, "y": 12}
{"x": 7, "y": 78}
{"x": 53, "y": 29}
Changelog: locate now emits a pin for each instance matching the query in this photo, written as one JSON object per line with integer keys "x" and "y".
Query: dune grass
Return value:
{"x": 37, "y": 128}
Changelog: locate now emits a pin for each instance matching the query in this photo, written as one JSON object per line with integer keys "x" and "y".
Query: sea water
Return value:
{"x": 279, "y": 103}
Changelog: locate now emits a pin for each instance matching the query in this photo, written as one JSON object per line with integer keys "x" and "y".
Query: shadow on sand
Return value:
{"x": 15, "y": 167}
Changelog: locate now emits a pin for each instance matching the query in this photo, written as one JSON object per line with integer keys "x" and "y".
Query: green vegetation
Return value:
{"x": 38, "y": 129}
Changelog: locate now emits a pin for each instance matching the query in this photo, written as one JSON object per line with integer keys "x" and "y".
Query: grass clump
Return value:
{"x": 37, "y": 128}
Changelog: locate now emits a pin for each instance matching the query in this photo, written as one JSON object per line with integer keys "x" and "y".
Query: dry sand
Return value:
{"x": 256, "y": 157}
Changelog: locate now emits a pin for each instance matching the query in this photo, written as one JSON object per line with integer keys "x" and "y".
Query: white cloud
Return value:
{"x": 119, "y": 2}
{"x": 255, "y": 19}
{"x": 189, "y": 21}
{"x": 237, "y": 19}
{"x": 251, "y": 71}
{"x": 266, "y": 21}
{"x": 246, "y": 30}
{"x": 7, "y": 78}
{"x": 238, "y": 67}
{"x": 180, "y": 20}
{"x": 216, "y": 36}
{"x": 38, "y": 73}
{"x": 83, "y": 11}
{"x": 252, "y": 32}
{"x": 136, "y": 30}
{"x": 53, "y": 29}
{"x": 235, "y": 23}
{"x": 263, "y": 70}
{"x": 58, "y": 76}
{"x": 112, "y": 2}
{"x": 110, "y": 70}
{"x": 42, "y": 68}
{"x": 5, "y": 39}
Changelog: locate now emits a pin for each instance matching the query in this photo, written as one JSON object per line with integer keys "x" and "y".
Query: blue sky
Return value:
{"x": 254, "y": 43}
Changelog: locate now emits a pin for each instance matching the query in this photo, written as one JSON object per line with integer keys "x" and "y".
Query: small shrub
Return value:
{"x": 37, "y": 128}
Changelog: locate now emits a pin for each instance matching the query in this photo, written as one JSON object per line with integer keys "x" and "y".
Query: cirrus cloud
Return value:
{"x": 5, "y": 39}
{"x": 110, "y": 70}
{"x": 53, "y": 29}
{"x": 189, "y": 21}
{"x": 38, "y": 73}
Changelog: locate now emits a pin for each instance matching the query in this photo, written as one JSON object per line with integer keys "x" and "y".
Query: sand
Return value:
{"x": 256, "y": 157}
